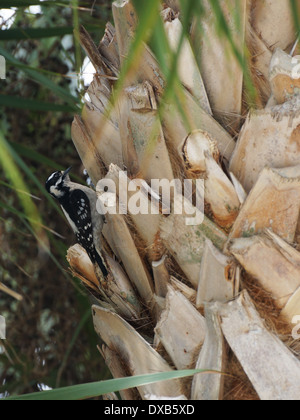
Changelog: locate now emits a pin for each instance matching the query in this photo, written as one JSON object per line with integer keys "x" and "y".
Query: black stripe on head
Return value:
{"x": 53, "y": 180}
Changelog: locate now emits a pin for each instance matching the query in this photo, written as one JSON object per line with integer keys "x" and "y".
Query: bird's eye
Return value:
{"x": 54, "y": 178}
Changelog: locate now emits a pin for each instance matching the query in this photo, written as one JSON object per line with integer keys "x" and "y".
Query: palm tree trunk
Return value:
{"x": 180, "y": 291}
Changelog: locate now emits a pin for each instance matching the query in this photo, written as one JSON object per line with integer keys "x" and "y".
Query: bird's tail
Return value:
{"x": 101, "y": 264}
{"x": 97, "y": 259}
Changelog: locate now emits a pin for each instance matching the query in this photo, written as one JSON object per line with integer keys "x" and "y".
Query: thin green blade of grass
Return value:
{"x": 224, "y": 30}
{"x": 34, "y": 33}
{"x": 5, "y": 184}
{"x": 168, "y": 61}
{"x": 76, "y": 29}
{"x": 34, "y": 156}
{"x": 45, "y": 72}
{"x": 8, "y": 4}
{"x": 22, "y": 216}
{"x": 38, "y": 33}
{"x": 296, "y": 14}
{"x": 187, "y": 10}
{"x": 29, "y": 173}
{"x": 148, "y": 14}
{"x": 96, "y": 389}
{"x": 160, "y": 46}
{"x": 33, "y": 105}
{"x": 12, "y": 172}
{"x": 147, "y": 20}
{"x": 241, "y": 55}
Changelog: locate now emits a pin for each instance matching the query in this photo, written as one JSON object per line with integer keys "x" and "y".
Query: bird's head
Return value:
{"x": 57, "y": 183}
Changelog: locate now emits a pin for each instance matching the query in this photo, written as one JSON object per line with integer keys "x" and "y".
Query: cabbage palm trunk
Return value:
{"x": 220, "y": 291}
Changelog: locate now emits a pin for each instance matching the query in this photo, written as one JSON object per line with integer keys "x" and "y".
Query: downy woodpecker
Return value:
{"x": 79, "y": 206}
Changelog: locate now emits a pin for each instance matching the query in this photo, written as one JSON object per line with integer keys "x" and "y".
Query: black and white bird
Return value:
{"x": 79, "y": 204}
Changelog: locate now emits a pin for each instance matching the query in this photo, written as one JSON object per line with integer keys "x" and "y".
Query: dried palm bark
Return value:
{"x": 134, "y": 265}
{"x": 181, "y": 329}
{"x": 107, "y": 140}
{"x": 284, "y": 76}
{"x": 176, "y": 132}
{"x": 274, "y": 203}
{"x": 82, "y": 266}
{"x": 109, "y": 49}
{"x": 260, "y": 62}
{"x": 219, "y": 277}
{"x": 191, "y": 79}
{"x": 210, "y": 387}
{"x": 270, "y": 263}
{"x": 271, "y": 14}
{"x": 292, "y": 308}
{"x": 148, "y": 143}
{"x": 187, "y": 291}
{"x": 252, "y": 343}
{"x": 87, "y": 150}
{"x": 114, "y": 364}
{"x": 135, "y": 352}
{"x": 144, "y": 212}
{"x": 117, "y": 294}
{"x": 146, "y": 66}
{"x": 177, "y": 265}
{"x": 125, "y": 20}
{"x": 263, "y": 39}
{"x": 220, "y": 67}
{"x": 161, "y": 277}
{"x": 201, "y": 155}
{"x": 268, "y": 138}
{"x": 173, "y": 4}
{"x": 186, "y": 241}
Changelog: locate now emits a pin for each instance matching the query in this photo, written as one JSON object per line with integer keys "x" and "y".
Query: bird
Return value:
{"x": 79, "y": 204}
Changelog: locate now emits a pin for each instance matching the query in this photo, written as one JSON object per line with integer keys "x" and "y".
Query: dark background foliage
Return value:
{"x": 50, "y": 337}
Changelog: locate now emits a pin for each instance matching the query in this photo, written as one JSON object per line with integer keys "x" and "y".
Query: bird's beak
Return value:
{"x": 66, "y": 173}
